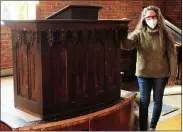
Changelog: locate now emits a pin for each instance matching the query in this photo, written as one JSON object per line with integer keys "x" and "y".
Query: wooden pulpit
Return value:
{"x": 66, "y": 66}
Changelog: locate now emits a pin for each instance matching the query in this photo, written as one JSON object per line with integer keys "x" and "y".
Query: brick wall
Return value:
{"x": 116, "y": 9}
{"x": 173, "y": 12}
{"x": 6, "y": 48}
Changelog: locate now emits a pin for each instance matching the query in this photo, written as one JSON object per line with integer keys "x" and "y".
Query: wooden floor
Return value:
{"x": 173, "y": 124}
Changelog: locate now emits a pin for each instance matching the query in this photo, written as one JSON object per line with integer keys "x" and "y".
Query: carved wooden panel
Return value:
{"x": 59, "y": 67}
{"x": 81, "y": 66}
{"x": 96, "y": 53}
{"x": 22, "y": 67}
{"x": 32, "y": 58}
{"x": 110, "y": 60}
{"x": 71, "y": 40}
{"x": 26, "y": 65}
{"x": 91, "y": 65}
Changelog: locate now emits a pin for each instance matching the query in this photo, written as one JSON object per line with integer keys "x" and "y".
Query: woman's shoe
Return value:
{"x": 152, "y": 129}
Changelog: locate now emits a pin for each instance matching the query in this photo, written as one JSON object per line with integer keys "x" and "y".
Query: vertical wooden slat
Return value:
{"x": 81, "y": 65}
{"x": 71, "y": 67}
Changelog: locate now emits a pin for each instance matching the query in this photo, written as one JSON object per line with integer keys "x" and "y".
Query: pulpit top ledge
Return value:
{"x": 65, "y": 24}
{"x": 70, "y": 17}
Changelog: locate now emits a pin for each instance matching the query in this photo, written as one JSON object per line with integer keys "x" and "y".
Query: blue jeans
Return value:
{"x": 145, "y": 87}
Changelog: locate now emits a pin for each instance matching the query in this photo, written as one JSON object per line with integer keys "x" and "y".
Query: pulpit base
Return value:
{"x": 117, "y": 117}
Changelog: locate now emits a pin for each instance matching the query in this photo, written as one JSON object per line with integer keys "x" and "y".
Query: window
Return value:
{"x": 18, "y": 10}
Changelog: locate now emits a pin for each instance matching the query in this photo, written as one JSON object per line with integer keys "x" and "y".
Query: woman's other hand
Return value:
{"x": 171, "y": 83}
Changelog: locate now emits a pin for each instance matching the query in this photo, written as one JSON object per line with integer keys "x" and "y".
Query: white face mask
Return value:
{"x": 152, "y": 23}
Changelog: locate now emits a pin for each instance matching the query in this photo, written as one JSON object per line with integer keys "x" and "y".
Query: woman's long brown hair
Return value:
{"x": 166, "y": 38}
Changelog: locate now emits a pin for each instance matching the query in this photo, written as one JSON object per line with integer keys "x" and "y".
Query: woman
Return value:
{"x": 156, "y": 62}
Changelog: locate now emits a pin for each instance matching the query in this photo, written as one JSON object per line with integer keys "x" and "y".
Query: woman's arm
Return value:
{"x": 172, "y": 56}
{"x": 130, "y": 42}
